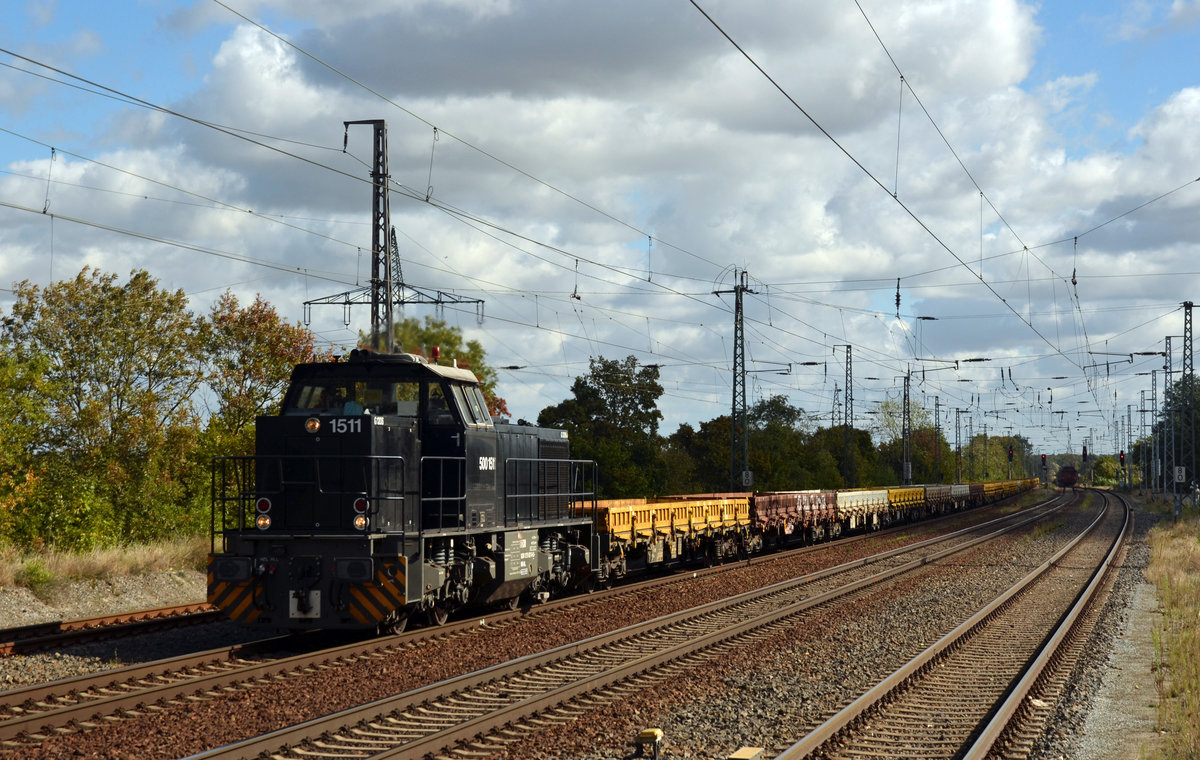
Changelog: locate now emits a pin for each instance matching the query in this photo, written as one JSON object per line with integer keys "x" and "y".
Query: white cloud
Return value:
{"x": 1184, "y": 12}
{"x": 648, "y": 115}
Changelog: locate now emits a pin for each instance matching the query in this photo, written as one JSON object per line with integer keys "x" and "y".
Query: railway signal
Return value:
{"x": 1043, "y": 461}
{"x": 1010, "y": 453}
{"x": 1122, "y": 458}
{"x": 1085, "y": 453}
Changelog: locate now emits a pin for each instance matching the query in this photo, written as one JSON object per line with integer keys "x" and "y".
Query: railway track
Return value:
{"x": 29, "y": 716}
{"x": 482, "y": 712}
{"x": 987, "y": 688}
{"x": 58, "y": 633}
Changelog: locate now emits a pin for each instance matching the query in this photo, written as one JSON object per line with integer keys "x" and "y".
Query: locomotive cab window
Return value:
{"x": 404, "y": 398}
{"x": 480, "y": 404}
{"x": 470, "y": 404}
{"x": 349, "y": 397}
{"x": 438, "y": 408}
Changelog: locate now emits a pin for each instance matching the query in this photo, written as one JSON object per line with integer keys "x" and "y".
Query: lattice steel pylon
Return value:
{"x": 1156, "y": 437}
{"x": 1187, "y": 446}
{"x": 1169, "y": 458}
{"x": 906, "y": 434}
{"x": 387, "y": 289}
{"x": 937, "y": 439}
{"x": 851, "y": 469}
{"x": 739, "y": 444}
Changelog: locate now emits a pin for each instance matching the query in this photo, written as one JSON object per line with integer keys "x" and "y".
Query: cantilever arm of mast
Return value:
{"x": 405, "y": 294}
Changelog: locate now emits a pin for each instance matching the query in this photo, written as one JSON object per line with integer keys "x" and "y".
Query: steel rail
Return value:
{"x": 998, "y": 727}
{"x": 38, "y": 636}
{"x": 833, "y": 726}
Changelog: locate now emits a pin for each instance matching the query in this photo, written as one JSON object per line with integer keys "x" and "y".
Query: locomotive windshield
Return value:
{"x": 445, "y": 403}
{"x": 474, "y": 408}
{"x": 342, "y": 396}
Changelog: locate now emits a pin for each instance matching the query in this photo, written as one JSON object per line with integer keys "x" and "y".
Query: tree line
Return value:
{"x": 116, "y": 397}
{"x": 613, "y": 418}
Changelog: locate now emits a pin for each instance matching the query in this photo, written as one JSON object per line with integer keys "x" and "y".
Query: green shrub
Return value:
{"x": 34, "y": 575}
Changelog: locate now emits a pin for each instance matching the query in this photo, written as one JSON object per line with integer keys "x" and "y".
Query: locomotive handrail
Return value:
{"x": 447, "y": 511}
{"x": 235, "y": 483}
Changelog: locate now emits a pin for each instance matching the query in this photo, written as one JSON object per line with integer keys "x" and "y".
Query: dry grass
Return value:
{"x": 1175, "y": 571}
{"x": 46, "y": 568}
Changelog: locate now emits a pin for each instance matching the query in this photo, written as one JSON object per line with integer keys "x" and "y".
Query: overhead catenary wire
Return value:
{"x": 912, "y": 214}
{"x": 592, "y": 305}
{"x": 455, "y": 137}
{"x": 462, "y": 215}
{"x": 1055, "y": 345}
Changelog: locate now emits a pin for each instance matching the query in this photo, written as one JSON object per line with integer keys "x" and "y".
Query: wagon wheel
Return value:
{"x": 438, "y": 615}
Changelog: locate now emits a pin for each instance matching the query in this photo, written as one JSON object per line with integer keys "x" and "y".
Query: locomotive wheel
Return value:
{"x": 395, "y": 626}
{"x": 438, "y": 615}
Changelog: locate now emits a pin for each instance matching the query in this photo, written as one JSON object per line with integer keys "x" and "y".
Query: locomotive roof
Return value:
{"x": 361, "y": 361}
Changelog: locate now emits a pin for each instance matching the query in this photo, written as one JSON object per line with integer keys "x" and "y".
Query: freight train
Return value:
{"x": 383, "y": 490}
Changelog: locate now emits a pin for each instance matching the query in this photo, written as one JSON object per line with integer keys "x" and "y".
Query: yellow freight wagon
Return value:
{"x": 906, "y": 502}
{"x": 669, "y": 528}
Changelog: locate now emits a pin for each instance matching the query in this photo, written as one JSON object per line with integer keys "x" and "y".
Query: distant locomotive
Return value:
{"x": 384, "y": 489}
{"x": 1068, "y": 476}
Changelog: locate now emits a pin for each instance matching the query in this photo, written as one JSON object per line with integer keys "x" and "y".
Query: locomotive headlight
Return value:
{"x": 263, "y": 504}
{"x": 361, "y": 522}
{"x": 263, "y": 521}
{"x": 312, "y": 424}
{"x": 360, "y": 505}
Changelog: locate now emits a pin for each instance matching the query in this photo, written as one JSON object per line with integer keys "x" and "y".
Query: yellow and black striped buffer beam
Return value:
{"x": 234, "y": 598}
{"x": 371, "y": 602}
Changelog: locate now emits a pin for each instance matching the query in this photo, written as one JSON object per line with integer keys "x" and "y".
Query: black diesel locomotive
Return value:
{"x": 384, "y": 489}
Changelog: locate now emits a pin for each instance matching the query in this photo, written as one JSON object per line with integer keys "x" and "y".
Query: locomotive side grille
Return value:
{"x": 555, "y": 478}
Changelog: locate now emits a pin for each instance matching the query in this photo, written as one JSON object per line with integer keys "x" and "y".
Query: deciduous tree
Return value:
{"x": 120, "y": 368}
{"x": 22, "y": 416}
{"x": 249, "y": 355}
{"x": 613, "y": 419}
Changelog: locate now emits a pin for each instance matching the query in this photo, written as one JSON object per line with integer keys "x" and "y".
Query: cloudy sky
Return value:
{"x": 600, "y": 175}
